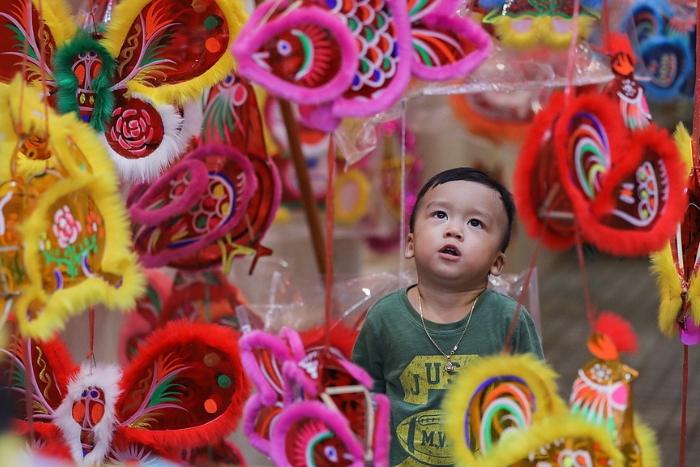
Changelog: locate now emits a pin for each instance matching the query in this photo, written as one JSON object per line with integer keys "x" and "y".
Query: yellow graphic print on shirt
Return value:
{"x": 421, "y": 435}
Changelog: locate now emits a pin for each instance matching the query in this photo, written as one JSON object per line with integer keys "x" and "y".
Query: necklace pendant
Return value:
{"x": 449, "y": 366}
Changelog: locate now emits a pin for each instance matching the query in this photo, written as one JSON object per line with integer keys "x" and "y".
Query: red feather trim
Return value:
{"x": 184, "y": 335}
{"x": 650, "y": 144}
{"x": 619, "y": 330}
{"x": 536, "y": 182}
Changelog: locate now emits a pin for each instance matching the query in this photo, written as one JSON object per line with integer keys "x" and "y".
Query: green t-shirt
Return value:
{"x": 393, "y": 348}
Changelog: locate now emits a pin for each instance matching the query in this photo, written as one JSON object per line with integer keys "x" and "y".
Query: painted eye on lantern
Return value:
{"x": 93, "y": 53}
{"x": 84, "y": 393}
{"x": 331, "y": 453}
{"x": 94, "y": 393}
{"x": 284, "y": 48}
{"x": 81, "y": 55}
{"x": 228, "y": 79}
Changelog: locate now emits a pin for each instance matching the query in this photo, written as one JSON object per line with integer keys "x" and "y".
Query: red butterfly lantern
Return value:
{"x": 185, "y": 388}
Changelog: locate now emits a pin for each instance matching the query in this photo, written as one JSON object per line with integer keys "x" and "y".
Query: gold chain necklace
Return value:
{"x": 448, "y": 366}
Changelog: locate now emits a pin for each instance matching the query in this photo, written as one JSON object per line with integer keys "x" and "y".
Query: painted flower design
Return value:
{"x": 65, "y": 227}
{"x": 94, "y": 224}
{"x": 134, "y": 129}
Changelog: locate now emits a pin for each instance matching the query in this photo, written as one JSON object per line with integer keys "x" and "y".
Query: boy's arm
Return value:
{"x": 366, "y": 355}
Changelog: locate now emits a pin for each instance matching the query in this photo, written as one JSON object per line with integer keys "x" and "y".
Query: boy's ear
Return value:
{"x": 497, "y": 265}
{"x": 408, "y": 252}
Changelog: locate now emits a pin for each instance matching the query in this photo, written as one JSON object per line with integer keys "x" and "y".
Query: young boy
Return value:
{"x": 415, "y": 340}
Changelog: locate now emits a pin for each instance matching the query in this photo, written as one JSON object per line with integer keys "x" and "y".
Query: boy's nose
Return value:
{"x": 453, "y": 232}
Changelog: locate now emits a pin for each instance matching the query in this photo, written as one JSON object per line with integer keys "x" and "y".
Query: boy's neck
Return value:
{"x": 443, "y": 306}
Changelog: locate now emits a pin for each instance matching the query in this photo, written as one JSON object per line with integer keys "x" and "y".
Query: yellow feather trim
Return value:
{"x": 57, "y": 15}
{"x": 123, "y": 17}
{"x": 563, "y": 429}
{"x": 87, "y": 182}
{"x": 118, "y": 282}
{"x": 651, "y": 454}
{"x": 541, "y": 32}
{"x": 536, "y": 374}
{"x": 662, "y": 265}
{"x": 669, "y": 285}
{"x": 684, "y": 144}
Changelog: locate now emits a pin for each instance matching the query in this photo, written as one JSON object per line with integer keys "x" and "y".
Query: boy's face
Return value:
{"x": 458, "y": 233}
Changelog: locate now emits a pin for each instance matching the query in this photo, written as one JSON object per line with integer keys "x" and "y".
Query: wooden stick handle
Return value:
{"x": 313, "y": 219}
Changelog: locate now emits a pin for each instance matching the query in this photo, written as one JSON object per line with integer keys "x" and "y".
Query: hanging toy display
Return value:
{"x": 185, "y": 388}
{"x": 220, "y": 199}
{"x": 504, "y": 411}
{"x": 602, "y": 392}
{"x": 666, "y": 37}
{"x": 676, "y": 264}
{"x": 355, "y": 60}
{"x": 582, "y": 170}
{"x": 129, "y": 80}
{"x": 313, "y": 407}
{"x": 65, "y": 238}
{"x": 526, "y": 24}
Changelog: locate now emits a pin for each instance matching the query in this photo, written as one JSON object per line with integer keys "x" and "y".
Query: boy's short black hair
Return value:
{"x": 469, "y": 174}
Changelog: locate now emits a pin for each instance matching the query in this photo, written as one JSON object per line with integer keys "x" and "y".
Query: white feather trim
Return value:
{"x": 106, "y": 378}
{"x": 178, "y": 130}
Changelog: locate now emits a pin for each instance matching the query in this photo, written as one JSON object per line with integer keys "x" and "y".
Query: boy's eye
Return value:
{"x": 440, "y": 214}
{"x": 475, "y": 223}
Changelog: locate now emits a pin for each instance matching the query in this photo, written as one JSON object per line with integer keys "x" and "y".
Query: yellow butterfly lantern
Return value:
{"x": 64, "y": 232}
{"x": 136, "y": 81}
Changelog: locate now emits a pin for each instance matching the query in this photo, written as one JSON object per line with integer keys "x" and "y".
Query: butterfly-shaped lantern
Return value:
{"x": 184, "y": 389}
{"x": 65, "y": 237}
{"x": 220, "y": 199}
{"x": 128, "y": 81}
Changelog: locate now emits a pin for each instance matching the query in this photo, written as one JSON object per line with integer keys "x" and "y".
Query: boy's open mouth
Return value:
{"x": 450, "y": 250}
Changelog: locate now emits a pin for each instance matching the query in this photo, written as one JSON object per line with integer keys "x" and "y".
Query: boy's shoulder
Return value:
{"x": 390, "y": 301}
{"x": 493, "y": 298}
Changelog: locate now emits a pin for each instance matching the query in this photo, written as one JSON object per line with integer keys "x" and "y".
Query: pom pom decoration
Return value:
{"x": 355, "y": 60}
{"x": 184, "y": 388}
{"x": 676, "y": 264}
{"x": 311, "y": 408}
{"x": 602, "y": 392}
{"x": 504, "y": 411}
{"x": 64, "y": 228}
{"x": 526, "y": 24}
{"x": 220, "y": 199}
{"x": 128, "y": 82}
{"x": 582, "y": 169}
{"x": 619, "y": 331}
